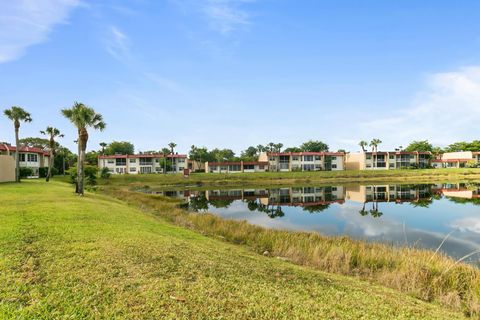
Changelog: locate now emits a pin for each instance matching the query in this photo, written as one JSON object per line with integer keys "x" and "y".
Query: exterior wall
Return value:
{"x": 387, "y": 160}
{"x": 385, "y": 193}
{"x": 456, "y": 159}
{"x": 140, "y": 164}
{"x": 355, "y": 161}
{"x": 235, "y": 167}
{"x": 7, "y": 168}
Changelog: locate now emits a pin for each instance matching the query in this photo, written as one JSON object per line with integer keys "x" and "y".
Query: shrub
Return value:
{"x": 42, "y": 172}
{"x": 105, "y": 173}
{"x": 25, "y": 172}
{"x": 90, "y": 173}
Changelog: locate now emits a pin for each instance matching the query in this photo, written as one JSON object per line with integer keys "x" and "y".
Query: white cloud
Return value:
{"x": 471, "y": 224}
{"x": 226, "y": 16}
{"x": 24, "y": 23}
{"x": 448, "y": 110}
{"x": 118, "y": 44}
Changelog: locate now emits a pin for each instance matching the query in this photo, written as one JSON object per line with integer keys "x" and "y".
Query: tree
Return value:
{"x": 293, "y": 149}
{"x": 172, "y": 146}
{"x": 464, "y": 146}
{"x": 17, "y": 115}
{"x": 363, "y": 144}
{"x": 421, "y": 145}
{"x": 51, "y": 133}
{"x": 119, "y": 147}
{"x": 83, "y": 117}
{"x": 261, "y": 148}
{"x": 199, "y": 154}
{"x": 314, "y": 146}
{"x": 250, "y": 154}
{"x": 34, "y": 142}
{"x": 278, "y": 147}
{"x": 91, "y": 157}
{"x": 374, "y": 144}
{"x": 64, "y": 159}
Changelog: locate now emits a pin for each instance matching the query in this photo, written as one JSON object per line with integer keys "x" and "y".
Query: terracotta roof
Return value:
{"x": 399, "y": 152}
{"x": 3, "y": 147}
{"x": 452, "y": 160}
{"x": 231, "y": 163}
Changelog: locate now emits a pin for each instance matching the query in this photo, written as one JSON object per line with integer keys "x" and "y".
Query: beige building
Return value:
{"x": 7, "y": 168}
{"x": 303, "y": 161}
{"x": 33, "y": 158}
{"x": 387, "y": 193}
{"x": 457, "y": 160}
{"x": 142, "y": 163}
{"x": 236, "y": 166}
{"x": 387, "y": 160}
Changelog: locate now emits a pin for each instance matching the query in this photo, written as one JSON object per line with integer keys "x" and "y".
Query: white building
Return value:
{"x": 33, "y": 158}
{"x": 143, "y": 163}
{"x": 304, "y": 161}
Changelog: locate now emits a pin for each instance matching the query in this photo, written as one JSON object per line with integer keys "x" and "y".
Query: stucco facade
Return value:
{"x": 142, "y": 163}
{"x": 33, "y": 158}
{"x": 7, "y": 168}
{"x": 304, "y": 161}
{"x": 236, "y": 166}
{"x": 457, "y": 159}
{"x": 389, "y": 160}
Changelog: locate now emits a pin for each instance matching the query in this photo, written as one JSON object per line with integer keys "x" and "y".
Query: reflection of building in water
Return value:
{"x": 236, "y": 194}
{"x": 179, "y": 194}
{"x": 306, "y": 196}
{"x": 388, "y": 193}
{"x": 458, "y": 190}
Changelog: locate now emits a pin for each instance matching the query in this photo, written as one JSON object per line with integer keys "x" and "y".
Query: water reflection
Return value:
{"x": 400, "y": 214}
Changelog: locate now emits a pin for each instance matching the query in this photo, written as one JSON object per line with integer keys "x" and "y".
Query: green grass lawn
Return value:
{"x": 63, "y": 256}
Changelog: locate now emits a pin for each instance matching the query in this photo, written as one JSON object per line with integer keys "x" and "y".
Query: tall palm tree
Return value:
{"x": 374, "y": 144}
{"x": 172, "y": 145}
{"x": 103, "y": 145}
{"x": 52, "y": 133}
{"x": 17, "y": 115}
{"x": 363, "y": 144}
{"x": 83, "y": 117}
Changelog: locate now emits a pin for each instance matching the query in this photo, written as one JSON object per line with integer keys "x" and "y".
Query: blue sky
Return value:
{"x": 234, "y": 73}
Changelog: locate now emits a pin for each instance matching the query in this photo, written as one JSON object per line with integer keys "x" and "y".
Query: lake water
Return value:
{"x": 414, "y": 215}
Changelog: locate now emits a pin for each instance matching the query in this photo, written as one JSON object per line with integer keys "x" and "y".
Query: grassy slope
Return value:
{"x": 94, "y": 257}
{"x": 322, "y": 177}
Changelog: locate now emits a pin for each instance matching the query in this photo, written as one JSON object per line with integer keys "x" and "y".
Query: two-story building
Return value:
{"x": 236, "y": 166}
{"x": 33, "y": 158}
{"x": 388, "y": 160}
{"x": 462, "y": 159}
{"x": 143, "y": 163}
{"x": 303, "y": 161}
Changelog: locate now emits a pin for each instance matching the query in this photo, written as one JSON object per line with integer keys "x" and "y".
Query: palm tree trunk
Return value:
{"x": 50, "y": 163}
{"x": 77, "y": 189}
{"x": 17, "y": 156}
{"x": 80, "y": 172}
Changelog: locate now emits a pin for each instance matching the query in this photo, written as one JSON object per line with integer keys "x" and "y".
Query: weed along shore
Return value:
{"x": 97, "y": 257}
{"x": 426, "y": 275}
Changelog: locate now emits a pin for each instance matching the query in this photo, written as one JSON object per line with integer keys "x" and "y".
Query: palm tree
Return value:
{"x": 52, "y": 133}
{"x": 363, "y": 144}
{"x": 17, "y": 115}
{"x": 374, "y": 144}
{"x": 83, "y": 117}
{"x": 103, "y": 145}
{"x": 172, "y": 145}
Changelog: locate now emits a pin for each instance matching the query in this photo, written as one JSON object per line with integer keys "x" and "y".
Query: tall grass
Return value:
{"x": 424, "y": 274}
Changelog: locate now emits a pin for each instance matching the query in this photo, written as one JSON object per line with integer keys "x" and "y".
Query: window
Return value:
{"x": 133, "y": 160}
{"x": 223, "y": 168}
{"x": 235, "y": 167}
{"x": 317, "y": 158}
{"x": 213, "y": 168}
{"x": 294, "y": 158}
{"x": 111, "y": 161}
{"x": 157, "y": 160}
{"x": 133, "y": 169}
{"x": 121, "y": 162}
{"x": 307, "y": 158}
{"x": 181, "y": 160}
{"x": 334, "y": 188}
{"x": 248, "y": 167}
{"x": 22, "y": 157}
{"x": 32, "y": 157}
{"x": 392, "y": 165}
{"x": 334, "y": 158}
{"x": 334, "y": 166}
{"x": 261, "y": 167}
{"x": 369, "y": 157}
{"x": 368, "y": 165}
{"x": 158, "y": 169}
{"x": 308, "y": 167}
{"x": 271, "y": 159}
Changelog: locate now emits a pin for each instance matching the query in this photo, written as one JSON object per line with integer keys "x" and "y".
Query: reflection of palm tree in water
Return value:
{"x": 271, "y": 211}
{"x": 363, "y": 212}
{"x": 374, "y": 211}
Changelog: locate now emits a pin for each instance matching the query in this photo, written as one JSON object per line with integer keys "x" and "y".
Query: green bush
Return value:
{"x": 105, "y": 173}
{"x": 90, "y": 173}
{"x": 42, "y": 172}
{"x": 25, "y": 172}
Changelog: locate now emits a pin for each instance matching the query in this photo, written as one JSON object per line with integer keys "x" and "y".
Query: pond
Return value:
{"x": 420, "y": 215}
